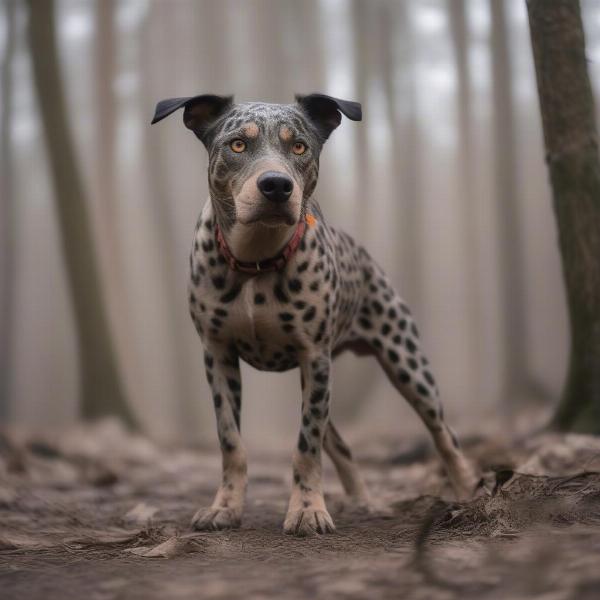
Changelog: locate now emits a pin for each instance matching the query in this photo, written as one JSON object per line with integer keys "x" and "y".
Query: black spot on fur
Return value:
{"x": 377, "y": 307}
{"x": 403, "y": 376}
{"x": 280, "y": 294}
{"x": 365, "y": 323}
{"x": 429, "y": 378}
{"x": 295, "y": 285}
{"x": 309, "y": 315}
{"x": 234, "y": 384}
{"x": 231, "y": 295}
{"x": 317, "y": 396}
{"x": 342, "y": 449}
{"x": 227, "y": 445}
{"x": 302, "y": 443}
{"x": 218, "y": 282}
{"x": 422, "y": 389}
{"x": 259, "y": 298}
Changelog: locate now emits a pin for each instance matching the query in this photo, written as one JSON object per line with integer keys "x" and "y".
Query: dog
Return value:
{"x": 276, "y": 286}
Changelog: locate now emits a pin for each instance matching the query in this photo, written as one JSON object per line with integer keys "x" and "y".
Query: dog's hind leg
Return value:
{"x": 386, "y": 324}
{"x": 344, "y": 464}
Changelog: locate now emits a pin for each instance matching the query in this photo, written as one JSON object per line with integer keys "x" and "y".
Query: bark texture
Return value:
{"x": 101, "y": 387}
{"x": 567, "y": 107}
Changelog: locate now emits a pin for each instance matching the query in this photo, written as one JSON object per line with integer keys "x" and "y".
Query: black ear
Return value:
{"x": 199, "y": 111}
{"x": 324, "y": 111}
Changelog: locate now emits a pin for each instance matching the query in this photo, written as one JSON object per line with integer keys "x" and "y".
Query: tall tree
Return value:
{"x": 569, "y": 124}
{"x": 400, "y": 85}
{"x": 459, "y": 35}
{"x": 7, "y": 218}
{"x": 515, "y": 358}
{"x": 101, "y": 387}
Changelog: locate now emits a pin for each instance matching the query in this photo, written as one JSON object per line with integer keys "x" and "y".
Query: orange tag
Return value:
{"x": 310, "y": 220}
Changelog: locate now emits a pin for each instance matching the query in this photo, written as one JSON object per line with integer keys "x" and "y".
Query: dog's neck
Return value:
{"x": 255, "y": 242}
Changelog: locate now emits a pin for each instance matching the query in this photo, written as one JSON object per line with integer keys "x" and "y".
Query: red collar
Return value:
{"x": 275, "y": 263}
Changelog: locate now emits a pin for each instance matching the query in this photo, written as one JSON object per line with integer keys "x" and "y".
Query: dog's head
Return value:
{"x": 263, "y": 158}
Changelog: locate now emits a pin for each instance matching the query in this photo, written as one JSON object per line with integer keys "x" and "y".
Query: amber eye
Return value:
{"x": 299, "y": 148}
{"x": 238, "y": 145}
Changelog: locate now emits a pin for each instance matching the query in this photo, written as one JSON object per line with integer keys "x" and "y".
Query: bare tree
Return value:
{"x": 105, "y": 51}
{"x": 459, "y": 34}
{"x": 401, "y": 89}
{"x": 569, "y": 123}
{"x": 515, "y": 359}
{"x": 7, "y": 218}
{"x": 101, "y": 387}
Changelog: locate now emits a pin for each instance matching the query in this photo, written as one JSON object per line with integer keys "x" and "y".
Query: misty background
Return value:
{"x": 444, "y": 182}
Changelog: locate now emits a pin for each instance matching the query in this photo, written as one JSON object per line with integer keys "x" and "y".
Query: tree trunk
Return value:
{"x": 459, "y": 35}
{"x": 567, "y": 107}
{"x": 101, "y": 388}
{"x": 7, "y": 216}
{"x": 505, "y": 189}
{"x": 400, "y": 88}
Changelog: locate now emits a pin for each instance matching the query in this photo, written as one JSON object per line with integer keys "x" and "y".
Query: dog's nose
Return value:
{"x": 275, "y": 186}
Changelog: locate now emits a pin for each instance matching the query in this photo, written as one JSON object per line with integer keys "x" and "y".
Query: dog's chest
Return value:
{"x": 270, "y": 318}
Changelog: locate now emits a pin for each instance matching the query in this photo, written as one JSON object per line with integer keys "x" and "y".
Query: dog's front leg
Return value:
{"x": 223, "y": 374}
{"x": 307, "y": 513}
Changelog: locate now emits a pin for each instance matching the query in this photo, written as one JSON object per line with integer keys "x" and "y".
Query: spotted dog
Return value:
{"x": 276, "y": 286}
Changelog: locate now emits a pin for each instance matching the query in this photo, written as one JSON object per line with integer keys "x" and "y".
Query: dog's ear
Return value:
{"x": 200, "y": 112}
{"x": 324, "y": 111}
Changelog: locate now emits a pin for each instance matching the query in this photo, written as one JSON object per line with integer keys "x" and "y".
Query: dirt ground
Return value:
{"x": 96, "y": 513}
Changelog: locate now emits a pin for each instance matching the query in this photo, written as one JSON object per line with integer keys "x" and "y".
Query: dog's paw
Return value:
{"x": 466, "y": 485}
{"x": 213, "y": 519}
{"x": 308, "y": 522}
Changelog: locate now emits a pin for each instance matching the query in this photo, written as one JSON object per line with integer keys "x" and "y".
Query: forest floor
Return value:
{"x": 97, "y": 513}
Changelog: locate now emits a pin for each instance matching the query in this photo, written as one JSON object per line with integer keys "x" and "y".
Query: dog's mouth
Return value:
{"x": 271, "y": 217}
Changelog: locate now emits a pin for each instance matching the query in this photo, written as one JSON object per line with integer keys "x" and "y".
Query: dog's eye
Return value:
{"x": 299, "y": 148}
{"x": 238, "y": 145}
